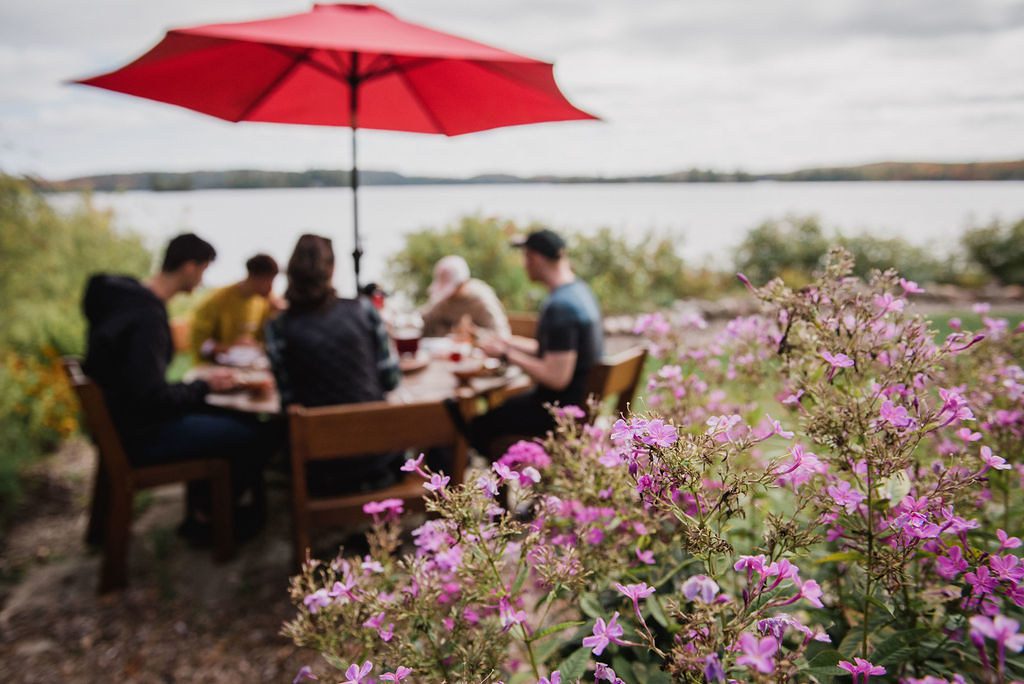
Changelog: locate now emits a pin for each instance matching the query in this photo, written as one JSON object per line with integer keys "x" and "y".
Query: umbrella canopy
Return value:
{"x": 357, "y": 66}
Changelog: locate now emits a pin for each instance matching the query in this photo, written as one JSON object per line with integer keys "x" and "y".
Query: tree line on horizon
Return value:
{"x": 240, "y": 179}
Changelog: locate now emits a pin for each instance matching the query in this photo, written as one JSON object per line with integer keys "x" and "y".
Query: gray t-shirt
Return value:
{"x": 570, "y": 320}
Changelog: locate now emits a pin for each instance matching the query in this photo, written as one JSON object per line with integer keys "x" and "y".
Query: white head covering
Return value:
{"x": 449, "y": 273}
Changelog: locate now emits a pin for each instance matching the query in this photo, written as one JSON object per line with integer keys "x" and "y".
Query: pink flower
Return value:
{"x": 391, "y": 508}
{"x": 603, "y": 672}
{"x": 488, "y": 484}
{"x": 777, "y": 429}
{"x": 999, "y": 629}
{"x": 509, "y": 615}
{"x": 993, "y": 461}
{"x": 437, "y": 483}
{"x": 604, "y": 634}
{"x": 304, "y": 674}
{"x": 836, "y": 361}
{"x": 1006, "y": 541}
{"x": 759, "y": 654}
{"x": 811, "y": 592}
{"x": 751, "y": 564}
{"x": 897, "y": 416}
{"x": 886, "y": 303}
{"x": 571, "y": 411}
{"x": 396, "y": 676}
{"x": 635, "y": 592}
{"x": 661, "y": 434}
{"x": 967, "y": 435}
{"x": 356, "y": 674}
{"x": 1007, "y": 567}
{"x": 982, "y": 582}
{"x": 645, "y": 557}
{"x": 845, "y": 496}
{"x": 952, "y": 564}
{"x": 862, "y": 668}
{"x": 415, "y": 465}
{"x": 700, "y": 586}
{"x": 317, "y": 600}
{"x": 910, "y": 287}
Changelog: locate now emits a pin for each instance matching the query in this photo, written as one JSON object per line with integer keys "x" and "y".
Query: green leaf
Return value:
{"x": 898, "y": 647}
{"x": 657, "y": 612}
{"x": 521, "y": 576}
{"x": 824, "y": 664}
{"x": 553, "y": 629}
{"x": 590, "y": 606}
{"x": 649, "y": 673}
{"x": 840, "y": 557}
{"x": 878, "y": 603}
{"x": 852, "y": 642}
{"x": 573, "y": 667}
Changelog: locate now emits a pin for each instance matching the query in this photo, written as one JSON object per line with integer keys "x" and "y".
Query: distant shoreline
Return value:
{"x": 246, "y": 179}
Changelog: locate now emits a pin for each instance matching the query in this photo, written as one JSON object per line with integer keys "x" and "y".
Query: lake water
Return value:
{"x": 707, "y": 220}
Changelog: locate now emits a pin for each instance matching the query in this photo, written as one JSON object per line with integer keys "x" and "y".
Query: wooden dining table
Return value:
{"x": 435, "y": 380}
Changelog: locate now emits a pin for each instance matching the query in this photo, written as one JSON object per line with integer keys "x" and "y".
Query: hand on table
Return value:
{"x": 493, "y": 345}
{"x": 221, "y": 380}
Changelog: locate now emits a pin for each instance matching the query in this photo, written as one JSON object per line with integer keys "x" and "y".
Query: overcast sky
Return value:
{"x": 752, "y": 84}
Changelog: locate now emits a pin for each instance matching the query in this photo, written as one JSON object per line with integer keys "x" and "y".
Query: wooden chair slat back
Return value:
{"x": 618, "y": 375}
{"x": 97, "y": 418}
{"x": 522, "y": 323}
{"x": 333, "y": 432}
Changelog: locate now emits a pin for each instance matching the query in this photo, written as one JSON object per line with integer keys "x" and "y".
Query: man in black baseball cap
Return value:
{"x": 569, "y": 342}
{"x": 545, "y": 242}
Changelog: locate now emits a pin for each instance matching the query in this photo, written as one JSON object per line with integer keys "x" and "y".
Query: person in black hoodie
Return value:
{"x": 129, "y": 349}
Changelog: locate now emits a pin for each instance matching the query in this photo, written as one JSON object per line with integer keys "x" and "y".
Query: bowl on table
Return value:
{"x": 242, "y": 357}
{"x": 477, "y": 368}
{"x": 413, "y": 363}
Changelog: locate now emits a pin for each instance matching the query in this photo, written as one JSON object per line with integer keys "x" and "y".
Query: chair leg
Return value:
{"x": 301, "y": 538}
{"x": 221, "y": 507}
{"x": 114, "y": 570}
{"x": 98, "y": 509}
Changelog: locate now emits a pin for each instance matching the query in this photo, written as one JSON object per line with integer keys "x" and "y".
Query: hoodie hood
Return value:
{"x": 110, "y": 298}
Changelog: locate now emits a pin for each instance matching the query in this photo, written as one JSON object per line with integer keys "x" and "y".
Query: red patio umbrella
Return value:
{"x": 344, "y": 65}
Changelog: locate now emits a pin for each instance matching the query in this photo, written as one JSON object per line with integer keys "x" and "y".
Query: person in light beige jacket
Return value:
{"x": 457, "y": 299}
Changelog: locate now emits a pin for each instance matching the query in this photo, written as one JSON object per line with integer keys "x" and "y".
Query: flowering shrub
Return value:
{"x": 825, "y": 491}
{"x": 37, "y": 410}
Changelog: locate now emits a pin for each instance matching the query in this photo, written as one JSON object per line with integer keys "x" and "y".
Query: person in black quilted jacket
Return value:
{"x": 326, "y": 350}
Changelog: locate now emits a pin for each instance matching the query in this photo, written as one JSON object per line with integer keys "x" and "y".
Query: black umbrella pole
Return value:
{"x": 353, "y": 89}
{"x": 357, "y": 252}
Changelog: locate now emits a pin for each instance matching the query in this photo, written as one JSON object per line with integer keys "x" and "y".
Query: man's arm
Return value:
{"x": 553, "y": 370}
{"x": 144, "y": 373}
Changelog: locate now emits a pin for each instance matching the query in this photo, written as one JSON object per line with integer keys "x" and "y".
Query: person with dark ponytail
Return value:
{"x": 327, "y": 350}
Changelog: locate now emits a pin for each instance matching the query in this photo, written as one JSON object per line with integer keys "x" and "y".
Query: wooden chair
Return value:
{"x": 117, "y": 481}
{"x": 619, "y": 376}
{"x": 522, "y": 323}
{"x": 338, "y": 432}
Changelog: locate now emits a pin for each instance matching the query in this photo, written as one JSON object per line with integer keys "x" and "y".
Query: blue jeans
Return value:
{"x": 245, "y": 442}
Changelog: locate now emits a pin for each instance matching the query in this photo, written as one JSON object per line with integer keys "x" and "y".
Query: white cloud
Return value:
{"x": 723, "y": 83}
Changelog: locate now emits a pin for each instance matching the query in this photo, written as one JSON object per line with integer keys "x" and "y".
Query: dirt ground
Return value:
{"x": 182, "y": 619}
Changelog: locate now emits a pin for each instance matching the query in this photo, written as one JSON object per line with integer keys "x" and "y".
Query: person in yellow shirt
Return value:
{"x": 235, "y": 315}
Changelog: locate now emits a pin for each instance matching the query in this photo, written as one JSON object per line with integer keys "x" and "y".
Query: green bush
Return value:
{"x": 998, "y": 249}
{"x": 484, "y": 243}
{"x": 794, "y": 247}
{"x": 626, "y": 276}
{"x": 45, "y": 259}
